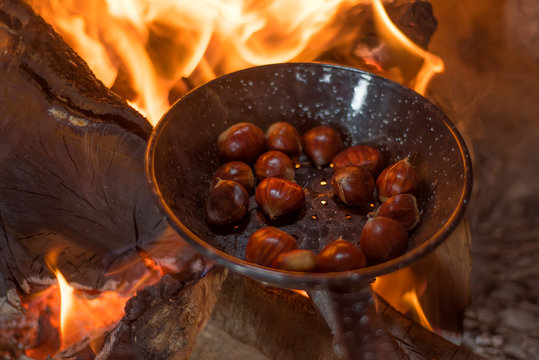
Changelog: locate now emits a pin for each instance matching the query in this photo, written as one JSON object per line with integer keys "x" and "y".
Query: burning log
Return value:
{"x": 71, "y": 165}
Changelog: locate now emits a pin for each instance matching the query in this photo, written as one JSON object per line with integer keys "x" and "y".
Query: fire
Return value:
{"x": 81, "y": 316}
{"x": 432, "y": 64}
{"x": 154, "y": 45}
{"x": 66, "y": 301}
{"x": 402, "y": 290}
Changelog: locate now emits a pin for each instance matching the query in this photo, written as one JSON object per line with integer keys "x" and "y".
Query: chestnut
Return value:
{"x": 340, "y": 255}
{"x": 265, "y": 244}
{"x": 284, "y": 137}
{"x": 354, "y": 185}
{"x": 398, "y": 178}
{"x": 274, "y": 164}
{"x": 226, "y": 202}
{"x": 403, "y": 208}
{"x": 295, "y": 260}
{"x": 321, "y": 144}
{"x": 360, "y": 155}
{"x": 276, "y": 196}
{"x": 237, "y": 171}
{"x": 242, "y": 141}
{"x": 383, "y": 239}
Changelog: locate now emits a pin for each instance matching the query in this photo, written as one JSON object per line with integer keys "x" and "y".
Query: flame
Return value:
{"x": 410, "y": 298}
{"x": 301, "y": 292}
{"x": 82, "y": 317}
{"x": 66, "y": 301}
{"x": 432, "y": 64}
{"x": 402, "y": 290}
{"x": 152, "y": 47}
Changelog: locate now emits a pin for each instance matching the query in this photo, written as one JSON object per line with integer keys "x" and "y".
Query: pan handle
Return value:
{"x": 359, "y": 332}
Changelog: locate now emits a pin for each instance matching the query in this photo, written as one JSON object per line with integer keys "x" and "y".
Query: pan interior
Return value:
{"x": 366, "y": 109}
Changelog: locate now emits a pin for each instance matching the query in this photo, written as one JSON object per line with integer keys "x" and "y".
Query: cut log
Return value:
{"x": 71, "y": 164}
{"x": 266, "y": 323}
{"x": 243, "y": 319}
{"x": 162, "y": 322}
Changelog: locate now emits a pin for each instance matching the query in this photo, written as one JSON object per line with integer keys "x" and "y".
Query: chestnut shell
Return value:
{"x": 295, "y": 260}
{"x": 353, "y": 185}
{"x": 282, "y": 136}
{"x": 360, "y": 155}
{"x": 266, "y": 244}
{"x": 401, "y": 207}
{"x": 383, "y": 239}
{"x": 242, "y": 141}
{"x": 274, "y": 164}
{"x": 237, "y": 171}
{"x": 226, "y": 202}
{"x": 276, "y": 197}
{"x": 340, "y": 255}
{"x": 321, "y": 144}
{"x": 399, "y": 178}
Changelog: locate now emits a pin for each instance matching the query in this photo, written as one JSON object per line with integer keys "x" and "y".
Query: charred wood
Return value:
{"x": 71, "y": 164}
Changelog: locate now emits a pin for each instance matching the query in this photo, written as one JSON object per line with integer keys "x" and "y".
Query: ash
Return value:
{"x": 490, "y": 91}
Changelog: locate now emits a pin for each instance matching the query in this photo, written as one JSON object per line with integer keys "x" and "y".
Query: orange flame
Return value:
{"x": 153, "y": 45}
{"x": 82, "y": 317}
{"x": 432, "y": 64}
{"x": 66, "y": 301}
{"x": 402, "y": 290}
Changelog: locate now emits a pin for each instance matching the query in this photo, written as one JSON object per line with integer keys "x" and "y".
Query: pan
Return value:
{"x": 367, "y": 109}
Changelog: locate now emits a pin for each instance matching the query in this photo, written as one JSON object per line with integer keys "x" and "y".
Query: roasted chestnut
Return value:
{"x": 321, "y": 144}
{"x": 284, "y": 137}
{"x": 227, "y": 202}
{"x": 265, "y": 244}
{"x": 242, "y": 141}
{"x": 383, "y": 239}
{"x": 340, "y": 255}
{"x": 237, "y": 171}
{"x": 354, "y": 185}
{"x": 398, "y": 178}
{"x": 276, "y": 196}
{"x": 274, "y": 164}
{"x": 295, "y": 260}
{"x": 360, "y": 155}
{"x": 403, "y": 208}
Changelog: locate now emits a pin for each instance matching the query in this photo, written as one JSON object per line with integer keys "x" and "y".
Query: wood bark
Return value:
{"x": 71, "y": 165}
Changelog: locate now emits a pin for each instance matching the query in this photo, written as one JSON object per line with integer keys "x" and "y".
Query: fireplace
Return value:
{"x": 126, "y": 264}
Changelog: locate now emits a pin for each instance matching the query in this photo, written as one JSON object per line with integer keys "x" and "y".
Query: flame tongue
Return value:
{"x": 432, "y": 64}
{"x": 66, "y": 302}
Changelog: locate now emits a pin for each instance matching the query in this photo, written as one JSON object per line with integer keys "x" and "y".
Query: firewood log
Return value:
{"x": 71, "y": 164}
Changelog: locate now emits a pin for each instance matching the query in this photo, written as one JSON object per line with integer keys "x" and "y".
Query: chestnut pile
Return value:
{"x": 358, "y": 178}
